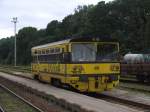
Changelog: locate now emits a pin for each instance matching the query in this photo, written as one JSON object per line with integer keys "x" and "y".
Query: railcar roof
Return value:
{"x": 73, "y": 40}
{"x": 52, "y": 44}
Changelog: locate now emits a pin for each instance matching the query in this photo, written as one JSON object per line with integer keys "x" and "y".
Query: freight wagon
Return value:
{"x": 137, "y": 65}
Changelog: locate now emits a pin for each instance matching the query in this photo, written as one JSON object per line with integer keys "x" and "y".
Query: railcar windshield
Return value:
{"x": 94, "y": 52}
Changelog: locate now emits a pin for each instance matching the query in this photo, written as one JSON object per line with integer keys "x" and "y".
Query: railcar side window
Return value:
{"x": 35, "y": 52}
{"x": 47, "y": 51}
{"x": 66, "y": 57}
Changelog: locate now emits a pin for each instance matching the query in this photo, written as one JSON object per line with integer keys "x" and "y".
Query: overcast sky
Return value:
{"x": 36, "y": 13}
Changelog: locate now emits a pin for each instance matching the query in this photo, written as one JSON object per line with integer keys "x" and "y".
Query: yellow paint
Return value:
{"x": 76, "y": 69}
{"x": 93, "y": 68}
{"x": 70, "y": 73}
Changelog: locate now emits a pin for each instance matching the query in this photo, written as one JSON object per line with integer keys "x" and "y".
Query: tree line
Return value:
{"x": 128, "y": 21}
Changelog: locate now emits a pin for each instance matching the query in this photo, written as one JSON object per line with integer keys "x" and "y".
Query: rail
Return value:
{"x": 21, "y": 98}
{"x": 128, "y": 102}
{"x": 1, "y": 109}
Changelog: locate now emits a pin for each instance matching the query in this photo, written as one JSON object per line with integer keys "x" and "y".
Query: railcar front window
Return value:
{"x": 107, "y": 52}
{"x": 83, "y": 52}
{"x": 94, "y": 52}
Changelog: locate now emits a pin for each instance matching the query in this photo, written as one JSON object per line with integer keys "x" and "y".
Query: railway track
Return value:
{"x": 133, "y": 84}
{"x": 1, "y": 109}
{"x": 13, "y": 101}
{"x": 133, "y": 80}
{"x": 122, "y": 100}
{"x": 38, "y": 100}
{"x": 135, "y": 87}
{"x": 127, "y": 102}
{"x": 130, "y": 103}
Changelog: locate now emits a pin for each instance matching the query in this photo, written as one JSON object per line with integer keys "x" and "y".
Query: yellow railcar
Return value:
{"x": 82, "y": 63}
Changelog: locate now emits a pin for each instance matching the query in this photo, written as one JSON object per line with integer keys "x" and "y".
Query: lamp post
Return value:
{"x": 14, "y": 20}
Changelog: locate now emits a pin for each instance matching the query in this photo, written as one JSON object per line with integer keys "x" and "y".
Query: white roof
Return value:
{"x": 51, "y": 44}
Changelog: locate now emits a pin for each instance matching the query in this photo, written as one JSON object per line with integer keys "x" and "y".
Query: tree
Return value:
{"x": 6, "y": 49}
{"x": 127, "y": 21}
{"x": 25, "y": 40}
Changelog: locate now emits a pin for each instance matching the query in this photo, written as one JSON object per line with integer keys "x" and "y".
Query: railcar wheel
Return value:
{"x": 56, "y": 82}
{"x": 36, "y": 77}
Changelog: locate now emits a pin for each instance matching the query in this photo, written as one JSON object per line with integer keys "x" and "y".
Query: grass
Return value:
{"x": 13, "y": 104}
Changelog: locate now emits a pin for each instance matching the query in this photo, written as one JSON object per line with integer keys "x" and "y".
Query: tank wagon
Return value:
{"x": 84, "y": 64}
{"x": 138, "y": 65}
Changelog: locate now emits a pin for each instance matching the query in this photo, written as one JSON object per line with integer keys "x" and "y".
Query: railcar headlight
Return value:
{"x": 114, "y": 67}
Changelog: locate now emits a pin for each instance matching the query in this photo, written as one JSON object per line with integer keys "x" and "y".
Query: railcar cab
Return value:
{"x": 94, "y": 50}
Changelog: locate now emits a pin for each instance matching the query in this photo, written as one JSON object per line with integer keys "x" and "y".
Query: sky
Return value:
{"x": 35, "y": 13}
